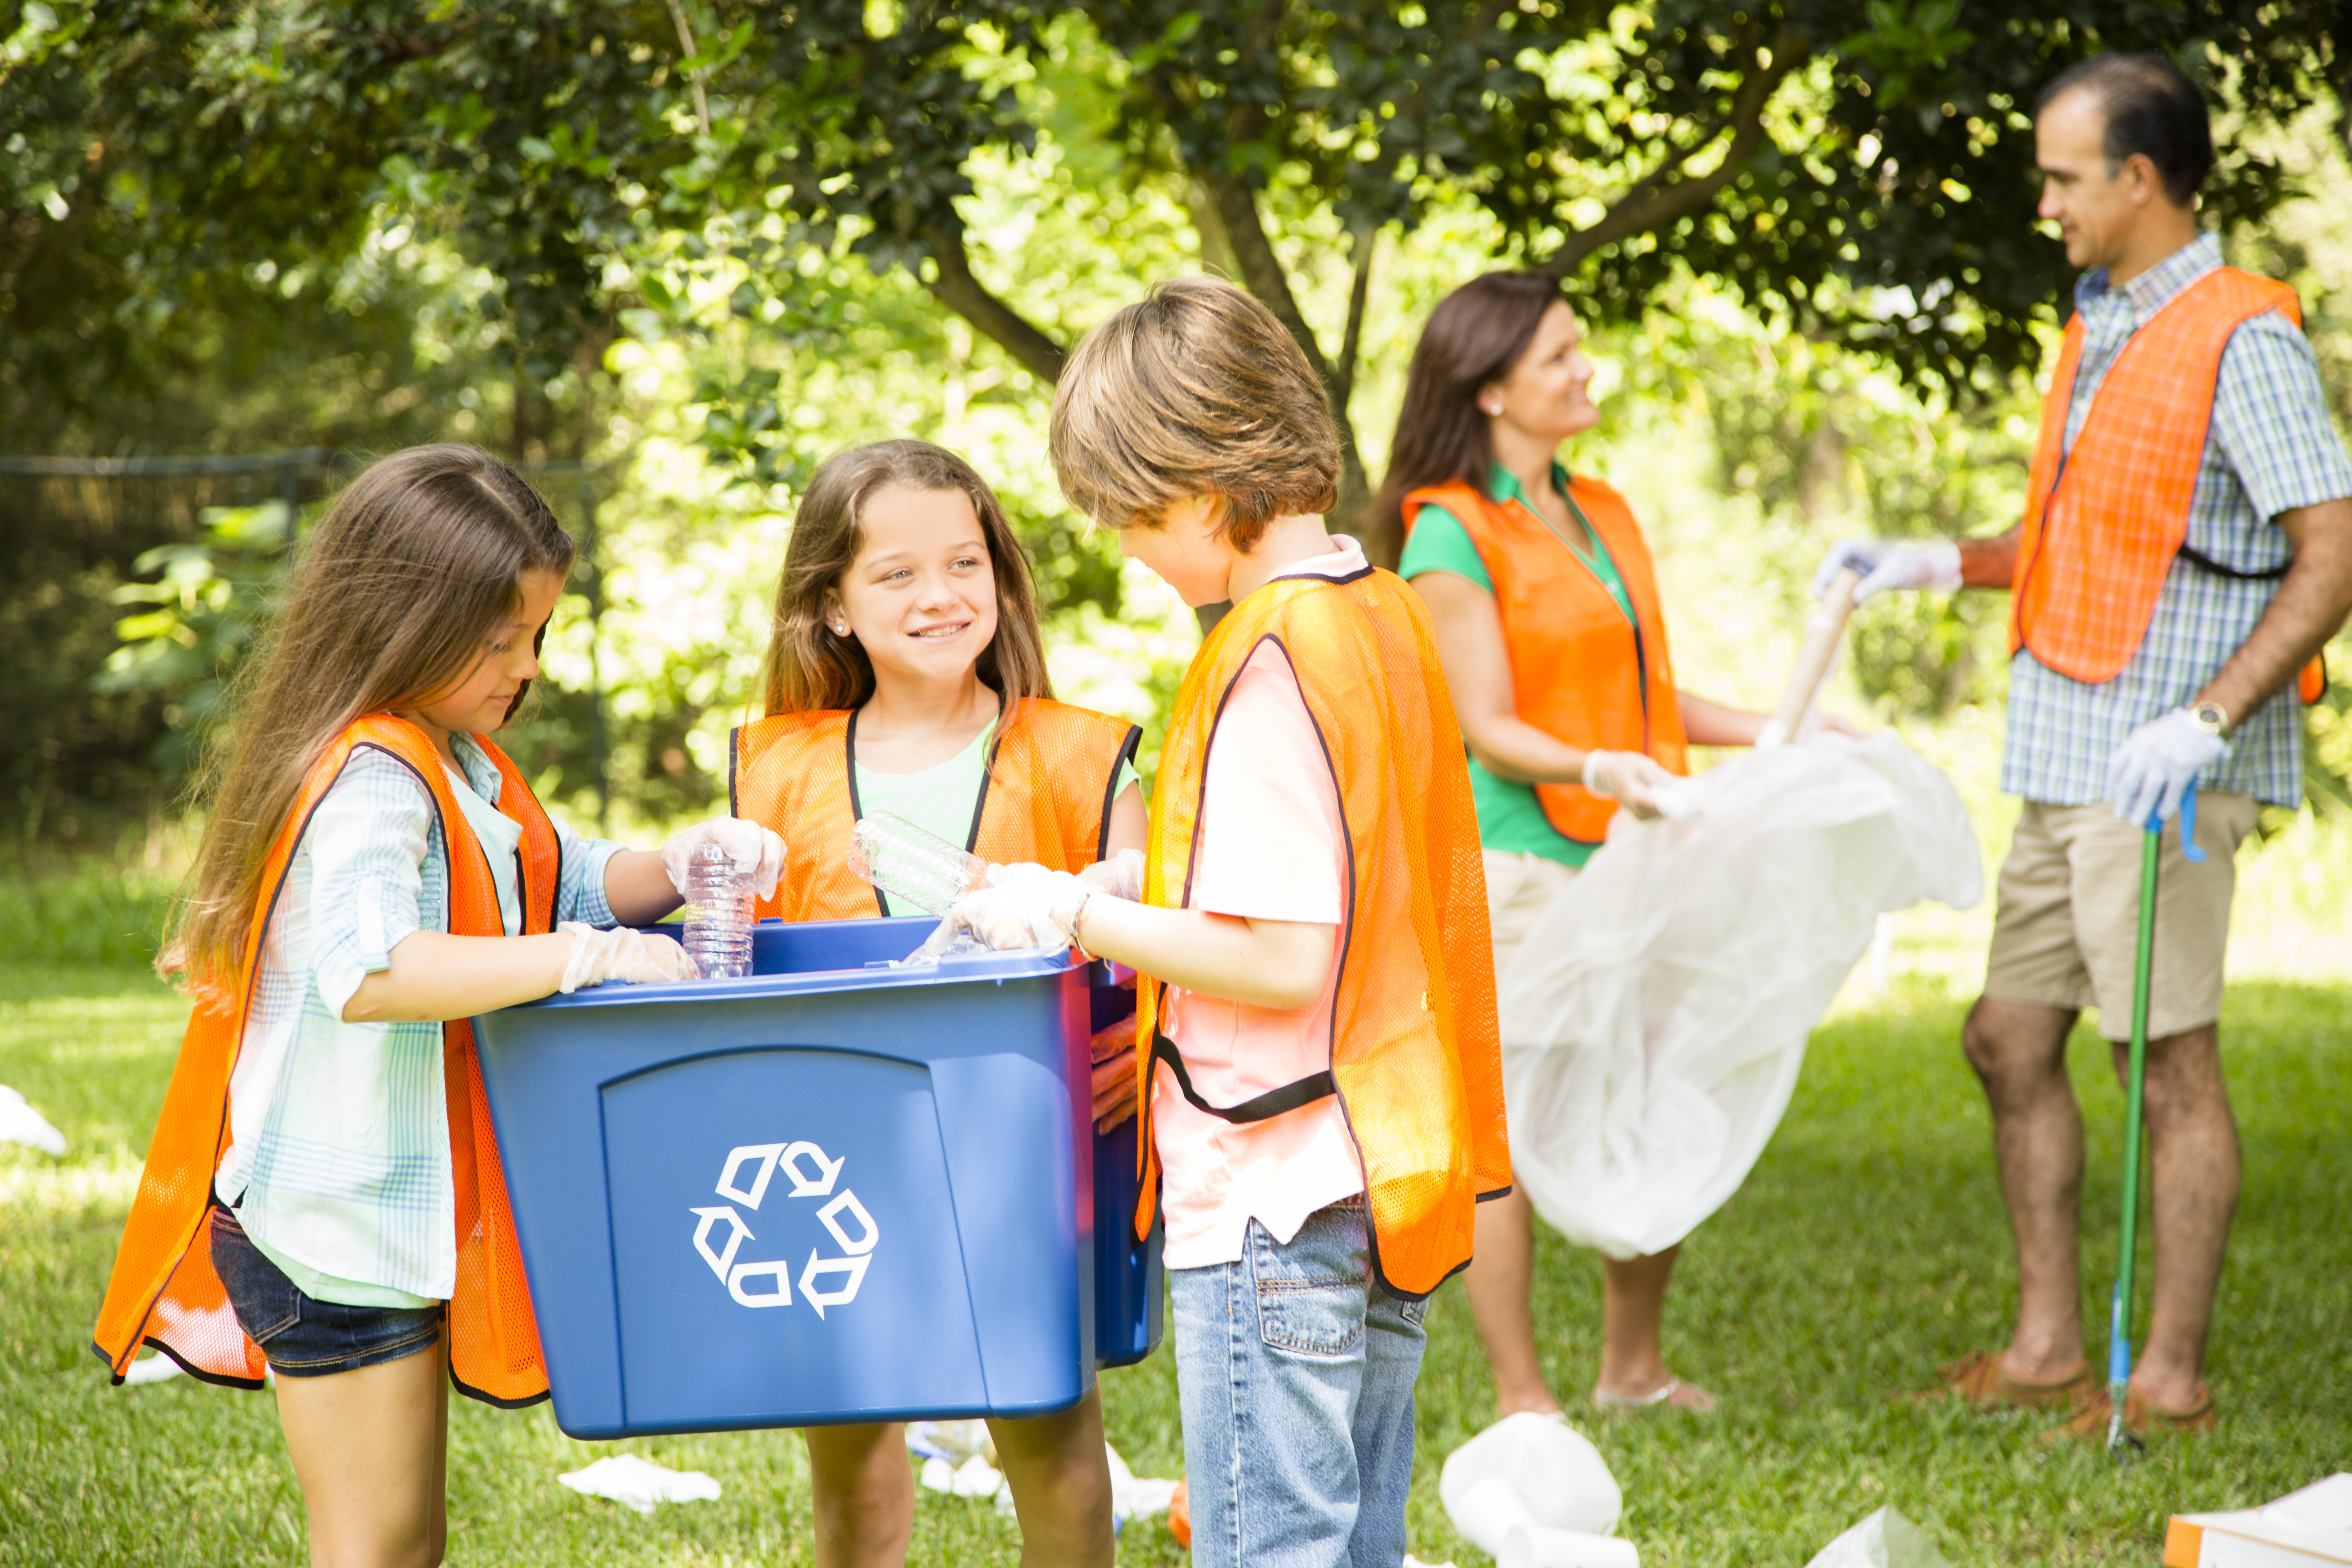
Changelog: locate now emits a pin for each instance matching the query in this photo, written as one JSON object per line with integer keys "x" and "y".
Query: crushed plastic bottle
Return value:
{"x": 719, "y": 914}
{"x": 916, "y": 868}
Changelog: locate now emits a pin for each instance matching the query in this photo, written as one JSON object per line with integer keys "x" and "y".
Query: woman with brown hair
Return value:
{"x": 1549, "y": 628}
{"x": 905, "y": 674}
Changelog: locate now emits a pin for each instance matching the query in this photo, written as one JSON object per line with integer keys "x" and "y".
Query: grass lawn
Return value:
{"x": 1868, "y": 1247}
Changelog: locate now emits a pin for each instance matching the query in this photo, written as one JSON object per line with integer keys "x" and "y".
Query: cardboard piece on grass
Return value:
{"x": 2301, "y": 1529}
{"x": 20, "y": 1124}
{"x": 640, "y": 1483}
{"x": 1885, "y": 1540}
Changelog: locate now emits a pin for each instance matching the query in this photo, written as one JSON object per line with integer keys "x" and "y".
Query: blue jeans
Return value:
{"x": 1296, "y": 1376}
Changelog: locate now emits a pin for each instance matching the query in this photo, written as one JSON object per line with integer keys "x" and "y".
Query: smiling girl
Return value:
{"x": 322, "y": 1196}
{"x": 906, "y": 675}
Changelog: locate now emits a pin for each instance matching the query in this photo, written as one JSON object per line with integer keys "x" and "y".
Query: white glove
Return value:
{"x": 1121, "y": 876}
{"x": 2157, "y": 764}
{"x": 1891, "y": 564}
{"x": 757, "y": 851}
{"x": 621, "y": 954}
{"x": 1630, "y": 777}
{"x": 1022, "y": 906}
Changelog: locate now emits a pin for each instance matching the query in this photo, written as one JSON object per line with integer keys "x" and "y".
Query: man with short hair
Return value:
{"x": 2186, "y": 551}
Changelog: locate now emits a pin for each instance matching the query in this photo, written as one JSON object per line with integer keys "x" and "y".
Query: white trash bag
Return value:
{"x": 1531, "y": 1492}
{"x": 1885, "y": 1540}
{"x": 1654, "y": 1019}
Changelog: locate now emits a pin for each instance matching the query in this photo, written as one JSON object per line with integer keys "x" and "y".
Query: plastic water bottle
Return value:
{"x": 718, "y": 913}
{"x": 916, "y": 868}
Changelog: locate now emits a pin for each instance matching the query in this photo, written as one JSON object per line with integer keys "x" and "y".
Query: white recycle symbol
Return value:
{"x": 813, "y": 1176}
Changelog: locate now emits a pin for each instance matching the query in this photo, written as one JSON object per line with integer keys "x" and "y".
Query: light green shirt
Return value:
{"x": 943, "y": 799}
{"x": 1510, "y": 818}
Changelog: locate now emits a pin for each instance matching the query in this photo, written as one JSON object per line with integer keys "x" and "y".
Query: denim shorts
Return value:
{"x": 301, "y": 1335}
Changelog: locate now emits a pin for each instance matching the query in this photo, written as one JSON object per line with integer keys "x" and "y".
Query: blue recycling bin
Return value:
{"x": 831, "y": 1191}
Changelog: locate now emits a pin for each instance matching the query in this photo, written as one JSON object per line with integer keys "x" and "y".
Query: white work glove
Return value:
{"x": 2157, "y": 764}
{"x": 621, "y": 954}
{"x": 1023, "y": 905}
{"x": 1630, "y": 777}
{"x": 1121, "y": 876}
{"x": 757, "y": 851}
{"x": 1891, "y": 564}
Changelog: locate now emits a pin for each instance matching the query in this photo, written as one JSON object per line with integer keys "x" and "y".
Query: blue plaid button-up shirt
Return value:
{"x": 2270, "y": 449}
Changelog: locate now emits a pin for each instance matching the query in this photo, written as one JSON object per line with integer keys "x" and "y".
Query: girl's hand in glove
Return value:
{"x": 1121, "y": 876}
{"x": 621, "y": 954}
{"x": 757, "y": 851}
{"x": 1022, "y": 906}
{"x": 1630, "y": 777}
{"x": 1114, "y": 1051}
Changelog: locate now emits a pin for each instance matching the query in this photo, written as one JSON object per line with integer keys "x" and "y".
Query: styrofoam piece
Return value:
{"x": 154, "y": 1369}
{"x": 1533, "y": 1546}
{"x": 1882, "y": 1540}
{"x": 1132, "y": 1495}
{"x": 20, "y": 1124}
{"x": 1530, "y": 1470}
{"x": 2301, "y": 1529}
{"x": 640, "y": 1483}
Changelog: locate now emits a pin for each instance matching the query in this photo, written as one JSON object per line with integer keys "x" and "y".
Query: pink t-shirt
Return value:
{"x": 1272, "y": 845}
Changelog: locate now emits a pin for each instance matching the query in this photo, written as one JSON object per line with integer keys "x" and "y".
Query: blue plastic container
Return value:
{"x": 831, "y": 1191}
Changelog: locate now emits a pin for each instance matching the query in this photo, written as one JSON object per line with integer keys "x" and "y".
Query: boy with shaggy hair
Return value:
{"x": 1322, "y": 1092}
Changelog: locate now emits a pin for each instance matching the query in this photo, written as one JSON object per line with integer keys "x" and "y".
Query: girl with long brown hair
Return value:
{"x": 1548, "y": 622}
{"x": 322, "y": 1196}
{"x": 905, "y": 674}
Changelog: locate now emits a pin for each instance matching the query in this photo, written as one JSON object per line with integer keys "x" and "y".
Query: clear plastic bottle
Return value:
{"x": 717, "y": 914}
{"x": 918, "y": 869}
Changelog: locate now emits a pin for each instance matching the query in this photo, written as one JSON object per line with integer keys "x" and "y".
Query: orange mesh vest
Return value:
{"x": 2104, "y": 521}
{"x": 1046, "y": 797}
{"x": 164, "y": 1291}
{"x": 1579, "y": 670}
{"x": 1415, "y": 1059}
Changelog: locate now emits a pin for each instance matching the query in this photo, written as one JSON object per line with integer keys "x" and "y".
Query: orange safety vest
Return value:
{"x": 1579, "y": 670}
{"x": 2103, "y": 523}
{"x": 1052, "y": 774}
{"x": 1414, "y": 1056}
{"x": 164, "y": 1291}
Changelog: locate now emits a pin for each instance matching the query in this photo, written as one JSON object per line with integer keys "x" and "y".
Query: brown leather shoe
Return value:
{"x": 1984, "y": 1381}
{"x": 2140, "y": 1418}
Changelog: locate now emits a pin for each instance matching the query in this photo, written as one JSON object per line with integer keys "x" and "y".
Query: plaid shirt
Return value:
{"x": 340, "y": 1170}
{"x": 2270, "y": 449}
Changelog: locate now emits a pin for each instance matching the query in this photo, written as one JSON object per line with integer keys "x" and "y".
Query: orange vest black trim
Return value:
{"x": 1579, "y": 670}
{"x": 1053, "y": 773}
{"x": 2104, "y": 522}
{"x": 1414, "y": 1057}
{"x": 164, "y": 1291}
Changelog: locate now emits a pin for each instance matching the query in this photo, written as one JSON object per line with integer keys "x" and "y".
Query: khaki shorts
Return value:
{"x": 1519, "y": 888}
{"x": 2066, "y": 933}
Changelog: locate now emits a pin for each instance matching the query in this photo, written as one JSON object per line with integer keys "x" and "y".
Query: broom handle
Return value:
{"x": 1824, "y": 631}
{"x": 2120, "y": 1308}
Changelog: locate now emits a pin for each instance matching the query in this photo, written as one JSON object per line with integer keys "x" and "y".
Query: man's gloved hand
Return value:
{"x": 757, "y": 851}
{"x": 2157, "y": 764}
{"x": 1022, "y": 906}
{"x": 1891, "y": 564}
{"x": 621, "y": 954}
{"x": 1121, "y": 876}
{"x": 1632, "y": 778}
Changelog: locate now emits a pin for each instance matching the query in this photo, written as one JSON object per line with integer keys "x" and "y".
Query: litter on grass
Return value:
{"x": 958, "y": 1461}
{"x": 154, "y": 1369}
{"x": 20, "y": 1124}
{"x": 640, "y": 1483}
{"x": 1883, "y": 1540}
{"x": 2312, "y": 1527}
{"x": 1531, "y": 1492}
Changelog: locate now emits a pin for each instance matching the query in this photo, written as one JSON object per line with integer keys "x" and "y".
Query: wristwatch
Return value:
{"x": 2210, "y": 717}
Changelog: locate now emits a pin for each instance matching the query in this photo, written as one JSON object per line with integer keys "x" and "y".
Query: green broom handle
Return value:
{"x": 2119, "y": 1332}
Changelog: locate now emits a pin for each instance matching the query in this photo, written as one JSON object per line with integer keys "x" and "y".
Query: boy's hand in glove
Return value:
{"x": 1121, "y": 876}
{"x": 1023, "y": 905}
{"x": 621, "y": 954}
{"x": 757, "y": 851}
{"x": 1632, "y": 778}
